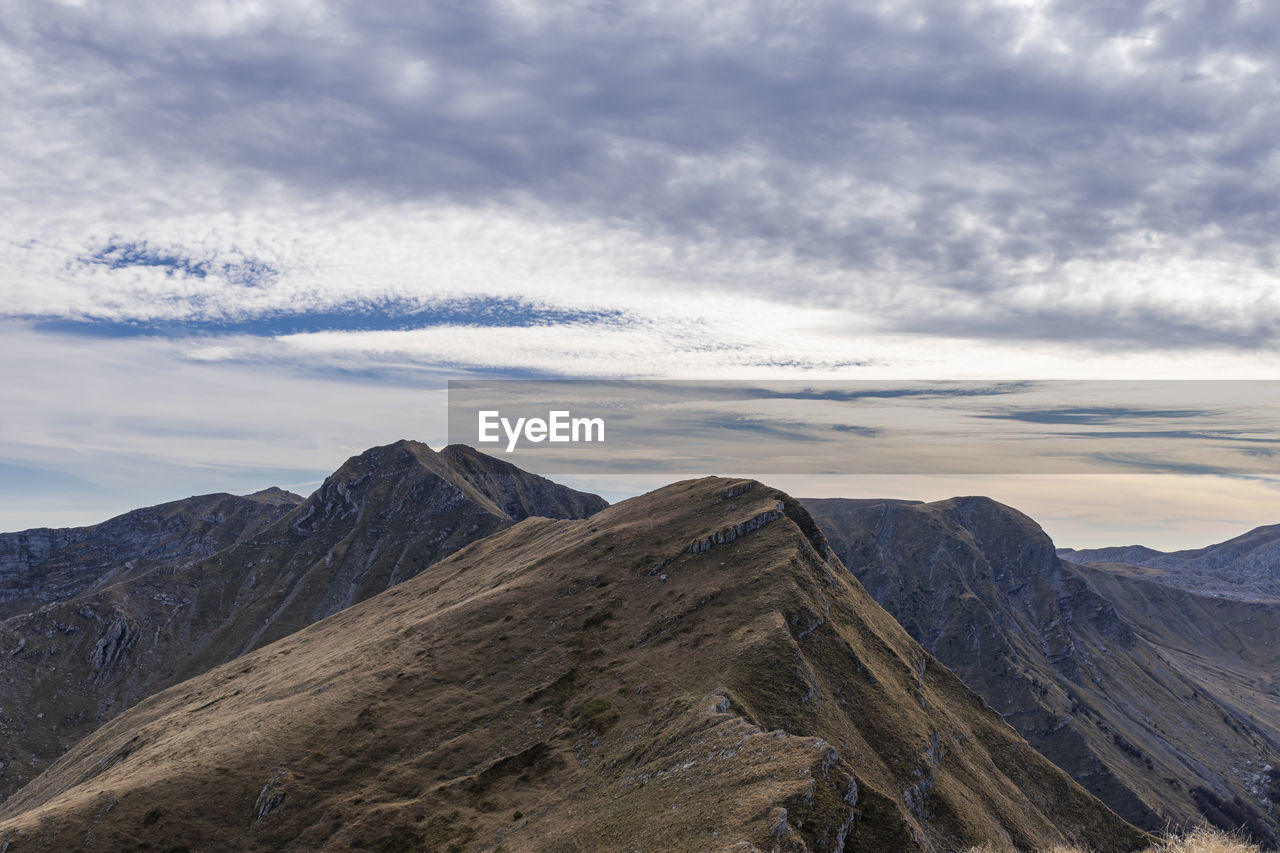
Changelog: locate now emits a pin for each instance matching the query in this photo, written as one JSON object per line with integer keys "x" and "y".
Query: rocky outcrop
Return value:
{"x": 272, "y": 795}
{"x": 111, "y": 648}
{"x": 728, "y": 534}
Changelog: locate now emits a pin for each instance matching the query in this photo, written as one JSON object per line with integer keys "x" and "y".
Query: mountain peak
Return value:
{"x": 687, "y": 669}
{"x": 275, "y": 496}
{"x": 986, "y": 510}
{"x": 109, "y": 614}
{"x": 397, "y": 454}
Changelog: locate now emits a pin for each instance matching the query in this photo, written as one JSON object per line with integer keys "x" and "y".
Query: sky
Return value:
{"x": 242, "y": 241}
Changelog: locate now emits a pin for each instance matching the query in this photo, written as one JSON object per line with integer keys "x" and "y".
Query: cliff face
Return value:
{"x": 981, "y": 586}
{"x": 1214, "y": 615}
{"x": 688, "y": 670}
{"x": 175, "y": 590}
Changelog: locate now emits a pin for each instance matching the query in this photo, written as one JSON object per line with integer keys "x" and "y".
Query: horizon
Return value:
{"x": 1065, "y": 514}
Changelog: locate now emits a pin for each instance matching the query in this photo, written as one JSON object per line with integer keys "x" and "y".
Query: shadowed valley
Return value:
{"x": 1079, "y": 669}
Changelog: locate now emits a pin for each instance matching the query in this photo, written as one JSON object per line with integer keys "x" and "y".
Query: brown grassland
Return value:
{"x": 687, "y": 670}
{"x": 1199, "y": 840}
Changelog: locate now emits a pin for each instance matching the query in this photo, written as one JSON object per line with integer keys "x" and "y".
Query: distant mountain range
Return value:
{"x": 1246, "y": 567}
{"x": 440, "y": 651}
{"x": 38, "y": 567}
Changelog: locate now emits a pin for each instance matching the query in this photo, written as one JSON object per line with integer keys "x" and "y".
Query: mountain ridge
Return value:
{"x": 690, "y": 669}
{"x": 384, "y": 515}
{"x": 1246, "y": 567}
{"x": 42, "y": 565}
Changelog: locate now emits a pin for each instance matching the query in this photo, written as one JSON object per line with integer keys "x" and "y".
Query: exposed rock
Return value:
{"x": 981, "y": 586}
{"x": 272, "y": 796}
{"x": 111, "y": 648}
{"x": 733, "y": 531}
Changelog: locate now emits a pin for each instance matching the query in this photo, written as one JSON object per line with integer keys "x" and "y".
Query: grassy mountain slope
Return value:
{"x": 687, "y": 670}
{"x": 381, "y": 518}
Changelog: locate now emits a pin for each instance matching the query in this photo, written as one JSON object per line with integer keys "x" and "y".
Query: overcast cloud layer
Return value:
{"x": 326, "y": 192}
{"x": 1087, "y": 171}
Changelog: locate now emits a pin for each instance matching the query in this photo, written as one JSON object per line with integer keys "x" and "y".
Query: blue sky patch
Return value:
{"x": 245, "y": 272}
{"x": 30, "y": 480}
{"x": 388, "y": 315}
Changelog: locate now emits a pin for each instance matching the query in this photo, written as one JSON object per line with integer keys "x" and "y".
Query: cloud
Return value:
{"x": 1142, "y": 462}
{"x": 247, "y": 211}
{"x": 1100, "y": 173}
{"x": 382, "y": 315}
{"x": 107, "y": 425}
{"x": 800, "y": 427}
{"x": 926, "y": 391}
{"x": 1094, "y": 415}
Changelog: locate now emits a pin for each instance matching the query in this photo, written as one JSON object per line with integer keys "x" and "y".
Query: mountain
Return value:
{"x": 1214, "y": 614}
{"x": 981, "y": 586}
{"x": 692, "y": 669}
{"x": 1246, "y": 567}
{"x": 1131, "y": 554}
{"x": 119, "y": 631}
{"x": 45, "y": 565}
{"x": 1225, "y": 645}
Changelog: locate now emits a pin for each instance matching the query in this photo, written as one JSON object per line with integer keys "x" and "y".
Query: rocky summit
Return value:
{"x": 1068, "y": 662}
{"x": 692, "y": 669}
{"x": 117, "y": 611}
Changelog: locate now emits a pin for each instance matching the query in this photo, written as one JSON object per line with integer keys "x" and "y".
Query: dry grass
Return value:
{"x": 1200, "y": 840}
{"x": 603, "y": 680}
